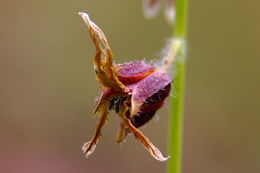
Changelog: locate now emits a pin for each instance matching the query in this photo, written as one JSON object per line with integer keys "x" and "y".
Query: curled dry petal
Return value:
{"x": 103, "y": 66}
{"x": 127, "y": 125}
{"x": 89, "y": 147}
{"x": 155, "y": 152}
{"x": 94, "y": 30}
{"x": 147, "y": 88}
{"x": 99, "y": 103}
{"x": 151, "y": 8}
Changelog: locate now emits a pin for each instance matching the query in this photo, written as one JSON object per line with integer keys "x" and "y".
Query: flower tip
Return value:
{"x": 82, "y": 14}
{"x": 164, "y": 159}
{"x": 85, "y": 18}
{"x": 87, "y": 150}
{"x": 158, "y": 156}
{"x": 161, "y": 158}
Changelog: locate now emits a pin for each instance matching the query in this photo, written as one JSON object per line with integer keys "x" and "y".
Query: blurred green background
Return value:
{"x": 48, "y": 86}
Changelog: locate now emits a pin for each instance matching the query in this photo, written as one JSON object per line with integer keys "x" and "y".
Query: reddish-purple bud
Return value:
{"x": 150, "y": 91}
{"x": 133, "y": 72}
{"x": 151, "y": 105}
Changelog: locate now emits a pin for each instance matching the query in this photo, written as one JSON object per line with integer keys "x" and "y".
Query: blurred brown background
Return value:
{"x": 48, "y": 86}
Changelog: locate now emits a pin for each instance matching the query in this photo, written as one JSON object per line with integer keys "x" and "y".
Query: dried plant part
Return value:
{"x": 124, "y": 114}
{"x": 122, "y": 132}
{"x": 135, "y": 90}
{"x": 103, "y": 66}
{"x": 155, "y": 152}
{"x": 89, "y": 147}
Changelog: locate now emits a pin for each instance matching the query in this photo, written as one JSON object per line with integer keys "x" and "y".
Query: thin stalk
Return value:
{"x": 175, "y": 129}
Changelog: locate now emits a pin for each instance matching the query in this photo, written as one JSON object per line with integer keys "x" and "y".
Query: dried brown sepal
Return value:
{"x": 104, "y": 66}
{"x": 155, "y": 152}
{"x": 99, "y": 103}
{"x": 89, "y": 147}
{"x": 122, "y": 132}
{"x": 124, "y": 114}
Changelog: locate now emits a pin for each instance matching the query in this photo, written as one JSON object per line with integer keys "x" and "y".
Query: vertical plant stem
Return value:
{"x": 176, "y": 114}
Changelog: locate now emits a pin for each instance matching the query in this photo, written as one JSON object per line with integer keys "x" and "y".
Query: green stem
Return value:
{"x": 176, "y": 114}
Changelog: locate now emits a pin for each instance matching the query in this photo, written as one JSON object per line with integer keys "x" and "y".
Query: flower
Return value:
{"x": 152, "y": 7}
{"x": 135, "y": 90}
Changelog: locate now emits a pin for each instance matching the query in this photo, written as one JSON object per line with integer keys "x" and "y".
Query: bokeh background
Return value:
{"x": 48, "y": 87}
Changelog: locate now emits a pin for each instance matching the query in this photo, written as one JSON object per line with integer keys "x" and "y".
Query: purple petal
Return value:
{"x": 148, "y": 87}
